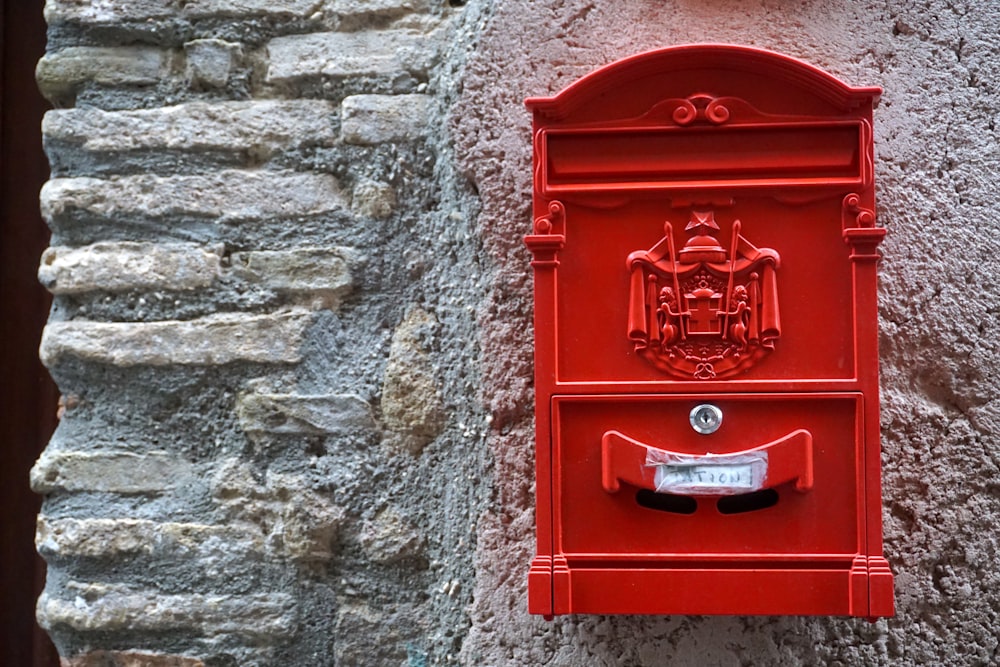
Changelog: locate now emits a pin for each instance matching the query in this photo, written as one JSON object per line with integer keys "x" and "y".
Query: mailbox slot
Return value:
{"x": 804, "y": 154}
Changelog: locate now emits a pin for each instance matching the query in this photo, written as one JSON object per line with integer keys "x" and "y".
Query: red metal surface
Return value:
{"x": 705, "y": 234}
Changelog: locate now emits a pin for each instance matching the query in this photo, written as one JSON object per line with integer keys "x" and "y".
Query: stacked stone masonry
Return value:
{"x": 230, "y": 261}
{"x": 292, "y": 329}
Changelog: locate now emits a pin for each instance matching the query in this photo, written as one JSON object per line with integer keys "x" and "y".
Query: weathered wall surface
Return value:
{"x": 292, "y": 329}
{"x": 936, "y": 157}
{"x": 266, "y": 282}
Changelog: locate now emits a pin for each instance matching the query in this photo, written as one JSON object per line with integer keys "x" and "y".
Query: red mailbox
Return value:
{"x": 704, "y": 251}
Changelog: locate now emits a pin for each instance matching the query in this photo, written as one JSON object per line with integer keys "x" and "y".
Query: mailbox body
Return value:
{"x": 704, "y": 235}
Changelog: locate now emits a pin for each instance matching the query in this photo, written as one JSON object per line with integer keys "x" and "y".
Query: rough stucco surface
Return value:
{"x": 936, "y": 160}
{"x": 292, "y": 327}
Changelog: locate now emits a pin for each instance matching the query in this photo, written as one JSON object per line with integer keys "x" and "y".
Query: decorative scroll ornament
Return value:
{"x": 549, "y": 236}
{"x": 703, "y": 109}
{"x": 548, "y": 224}
{"x": 704, "y": 312}
{"x": 860, "y": 231}
{"x": 700, "y": 107}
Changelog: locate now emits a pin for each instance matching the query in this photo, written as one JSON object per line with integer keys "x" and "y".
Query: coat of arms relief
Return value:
{"x": 707, "y": 310}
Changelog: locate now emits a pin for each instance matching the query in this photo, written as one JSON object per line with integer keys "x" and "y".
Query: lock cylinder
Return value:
{"x": 706, "y": 418}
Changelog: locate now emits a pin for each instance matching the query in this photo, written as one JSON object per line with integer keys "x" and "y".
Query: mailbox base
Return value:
{"x": 860, "y": 587}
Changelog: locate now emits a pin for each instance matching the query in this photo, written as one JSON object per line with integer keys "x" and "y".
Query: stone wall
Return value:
{"x": 292, "y": 329}
{"x": 266, "y": 282}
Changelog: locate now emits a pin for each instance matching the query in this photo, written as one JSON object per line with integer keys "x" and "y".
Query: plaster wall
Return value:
{"x": 292, "y": 329}
{"x": 936, "y": 160}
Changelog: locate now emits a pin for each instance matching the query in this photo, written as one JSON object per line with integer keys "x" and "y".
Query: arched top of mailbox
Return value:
{"x": 631, "y": 85}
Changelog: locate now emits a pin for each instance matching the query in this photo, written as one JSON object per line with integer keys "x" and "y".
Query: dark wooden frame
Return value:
{"x": 27, "y": 395}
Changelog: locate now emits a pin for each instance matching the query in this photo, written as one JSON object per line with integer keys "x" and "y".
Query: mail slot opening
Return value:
{"x": 748, "y": 502}
{"x": 650, "y": 157}
{"x": 666, "y": 502}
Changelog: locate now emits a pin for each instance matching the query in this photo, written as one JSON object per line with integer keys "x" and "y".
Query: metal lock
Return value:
{"x": 706, "y": 418}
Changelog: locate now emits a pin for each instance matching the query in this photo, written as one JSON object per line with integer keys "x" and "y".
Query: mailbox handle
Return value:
{"x": 789, "y": 458}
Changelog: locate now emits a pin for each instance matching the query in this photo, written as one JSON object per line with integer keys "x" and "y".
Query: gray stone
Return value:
{"x": 388, "y": 538}
{"x": 412, "y": 407}
{"x": 116, "y": 267}
{"x": 334, "y": 55}
{"x": 112, "y": 472}
{"x": 298, "y": 523}
{"x": 61, "y": 73}
{"x": 374, "y": 119}
{"x": 211, "y": 340}
{"x": 392, "y": 633}
{"x": 212, "y": 547}
{"x": 129, "y": 659}
{"x": 243, "y": 9}
{"x": 97, "y": 607}
{"x": 376, "y": 7}
{"x": 373, "y": 199}
{"x": 260, "y": 127}
{"x": 210, "y": 62}
{"x": 320, "y": 277}
{"x": 103, "y": 12}
{"x": 329, "y": 414}
{"x": 310, "y": 528}
{"x": 226, "y": 196}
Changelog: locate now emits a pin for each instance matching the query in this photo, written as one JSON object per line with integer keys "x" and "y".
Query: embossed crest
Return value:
{"x": 705, "y": 311}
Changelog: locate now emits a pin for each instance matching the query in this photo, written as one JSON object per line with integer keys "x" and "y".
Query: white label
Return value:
{"x": 706, "y": 476}
{"x": 719, "y": 475}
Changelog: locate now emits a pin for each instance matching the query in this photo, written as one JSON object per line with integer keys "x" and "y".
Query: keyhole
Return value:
{"x": 706, "y": 418}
